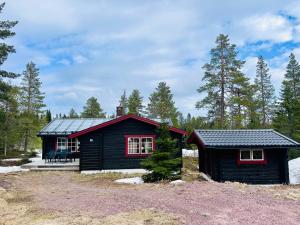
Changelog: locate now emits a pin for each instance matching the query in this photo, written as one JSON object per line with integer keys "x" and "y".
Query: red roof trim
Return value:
{"x": 194, "y": 139}
{"x": 120, "y": 119}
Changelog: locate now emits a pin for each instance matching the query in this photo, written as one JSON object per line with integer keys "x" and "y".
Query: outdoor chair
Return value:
{"x": 62, "y": 155}
{"x": 50, "y": 156}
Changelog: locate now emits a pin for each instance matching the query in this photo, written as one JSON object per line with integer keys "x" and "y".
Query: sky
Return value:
{"x": 101, "y": 48}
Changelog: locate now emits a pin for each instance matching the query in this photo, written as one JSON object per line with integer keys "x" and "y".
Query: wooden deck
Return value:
{"x": 38, "y": 164}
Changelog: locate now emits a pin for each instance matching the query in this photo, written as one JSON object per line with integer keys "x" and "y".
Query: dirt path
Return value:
{"x": 97, "y": 199}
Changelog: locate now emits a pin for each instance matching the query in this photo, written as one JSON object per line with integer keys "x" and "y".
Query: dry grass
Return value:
{"x": 190, "y": 170}
{"x": 289, "y": 192}
{"x": 104, "y": 177}
{"x": 141, "y": 217}
{"x": 18, "y": 208}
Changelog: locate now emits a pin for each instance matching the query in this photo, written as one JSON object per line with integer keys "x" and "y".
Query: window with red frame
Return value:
{"x": 251, "y": 156}
{"x": 139, "y": 145}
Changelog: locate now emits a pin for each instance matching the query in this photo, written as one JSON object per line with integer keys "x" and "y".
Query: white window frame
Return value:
{"x": 140, "y": 145}
{"x": 59, "y": 142}
{"x": 67, "y": 142}
{"x": 251, "y": 154}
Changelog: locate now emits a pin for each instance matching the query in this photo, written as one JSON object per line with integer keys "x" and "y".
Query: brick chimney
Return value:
{"x": 119, "y": 111}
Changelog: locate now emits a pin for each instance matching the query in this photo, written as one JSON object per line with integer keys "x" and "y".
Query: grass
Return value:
{"x": 16, "y": 154}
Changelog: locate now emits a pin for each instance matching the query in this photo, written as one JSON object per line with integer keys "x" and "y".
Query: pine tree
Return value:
{"x": 135, "y": 102}
{"x": 92, "y": 109}
{"x": 124, "y": 102}
{"x": 265, "y": 92}
{"x": 217, "y": 77}
{"x": 164, "y": 162}
{"x": 73, "y": 114}
{"x": 162, "y": 105}
{"x": 31, "y": 101}
{"x": 5, "y": 50}
{"x": 48, "y": 116}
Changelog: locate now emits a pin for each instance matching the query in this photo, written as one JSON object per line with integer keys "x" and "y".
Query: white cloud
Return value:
{"x": 102, "y": 47}
{"x": 268, "y": 26}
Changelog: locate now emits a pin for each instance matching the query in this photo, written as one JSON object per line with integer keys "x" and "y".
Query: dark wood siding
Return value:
{"x": 49, "y": 144}
{"x": 91, "y": 152}
{"x": 227, "y": 169}
{"x": 112, "y": 155}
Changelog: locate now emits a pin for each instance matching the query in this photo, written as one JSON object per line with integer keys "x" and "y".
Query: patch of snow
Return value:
{"x": 189, "y": 152}
{"x": 123, "y": 171}
{"x": 87, "y": 172}
{"x": 11, "y": 160}
{"x": 133, "y": 180}
{"x": 294, "y": 171}
{"x": 176, "y": 182}
{"x": 9, "y": 169}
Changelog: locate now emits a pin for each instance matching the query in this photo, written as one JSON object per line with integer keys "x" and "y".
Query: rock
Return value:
{"x": 177, "y": 182}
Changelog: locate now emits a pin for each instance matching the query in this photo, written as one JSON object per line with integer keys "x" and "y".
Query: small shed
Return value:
{"x": 248, "y": 156}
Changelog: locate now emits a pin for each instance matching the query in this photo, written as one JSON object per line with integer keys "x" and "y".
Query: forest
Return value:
{"x": 231, "y": 100}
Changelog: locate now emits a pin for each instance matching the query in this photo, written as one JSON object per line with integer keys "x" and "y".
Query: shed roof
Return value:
{"x": 242, "y": 138}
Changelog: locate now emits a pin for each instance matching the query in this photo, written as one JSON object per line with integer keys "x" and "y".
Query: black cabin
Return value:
{"x": 249, "y": 156}
{"x": 119, "y": 143}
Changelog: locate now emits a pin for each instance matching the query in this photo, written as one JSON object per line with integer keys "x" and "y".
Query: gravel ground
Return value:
{"x": 70, "y": 194}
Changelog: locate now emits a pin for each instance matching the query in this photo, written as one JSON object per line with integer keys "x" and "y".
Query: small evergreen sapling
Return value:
{"x": 164, "y": 162}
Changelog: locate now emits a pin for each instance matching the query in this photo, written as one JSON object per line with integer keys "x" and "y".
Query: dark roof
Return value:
{"x": 78, "y": 126}
{"x": 242, "y": 138}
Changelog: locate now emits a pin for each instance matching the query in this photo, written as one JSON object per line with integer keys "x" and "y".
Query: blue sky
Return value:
{"x": 99, "y": 48}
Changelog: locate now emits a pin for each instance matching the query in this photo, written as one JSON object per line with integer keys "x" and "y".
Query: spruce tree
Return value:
{"x": 48, "y": 116}
{"x": 239, "y": 100}
{"x": 135, "y": 102}
{"x": 217, "y": 77}
{"x": 92, "y": 109}
{"x": 9, "y": 118}
{"x": 265, "y": 92}
{"x": 162, "y": 105}
{"x": 5, "y": 50}
{"x": 124, "y": 102}
{"x": 73, "y": 114}
{"x": 288, "y": 109}
{"x": 31, "y": 101}
{"x": 164, "y": 162}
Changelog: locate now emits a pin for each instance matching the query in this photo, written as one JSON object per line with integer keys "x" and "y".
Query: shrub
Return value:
{"x": 164, "y": 162}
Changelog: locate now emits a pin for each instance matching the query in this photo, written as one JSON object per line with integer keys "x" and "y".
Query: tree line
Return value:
{"x": 21, "y": 106}
{"x": 161, "y": 105}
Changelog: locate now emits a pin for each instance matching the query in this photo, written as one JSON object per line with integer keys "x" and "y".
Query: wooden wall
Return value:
{"x": 109, "y": 151}
{"x": 221, "y": 165}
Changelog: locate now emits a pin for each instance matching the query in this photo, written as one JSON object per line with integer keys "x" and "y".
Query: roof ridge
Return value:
{"x": 234, "y": 130}
{"x": 287, "y": 138}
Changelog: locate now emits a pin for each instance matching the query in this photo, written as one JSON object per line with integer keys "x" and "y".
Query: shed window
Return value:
{"x": 139, "y": 145}
{"x": 252, "y": 155}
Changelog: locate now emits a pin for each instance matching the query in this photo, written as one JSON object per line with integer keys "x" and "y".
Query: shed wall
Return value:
{"x": 221, "y": 165}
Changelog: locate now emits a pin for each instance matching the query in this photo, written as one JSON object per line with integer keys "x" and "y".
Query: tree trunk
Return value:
{"x": 264, "y": 122}
{"x": 222, "y": 121}
{"x": 5, "y": 144}
{"x": 26, "y": 140}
